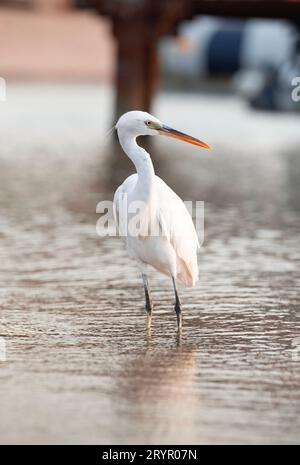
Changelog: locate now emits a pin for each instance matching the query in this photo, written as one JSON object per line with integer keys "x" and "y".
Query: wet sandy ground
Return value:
{"x": 80, "y": 366}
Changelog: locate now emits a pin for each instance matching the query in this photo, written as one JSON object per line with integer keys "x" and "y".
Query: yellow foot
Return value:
{"x": 149, "y": 320}
{"x": 179, "y": 323}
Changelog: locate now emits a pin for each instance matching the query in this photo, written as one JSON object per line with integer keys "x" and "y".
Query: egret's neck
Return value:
{"x": 142, "y": 162}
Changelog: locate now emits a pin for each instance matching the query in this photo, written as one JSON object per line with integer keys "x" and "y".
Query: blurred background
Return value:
{"x": 79, "y": 366}
{"x": 257, "y": 58}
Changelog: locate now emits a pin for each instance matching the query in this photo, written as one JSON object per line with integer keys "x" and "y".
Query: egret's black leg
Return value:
{"x": 178, "y": 308}
{"x": 148, "y": 299}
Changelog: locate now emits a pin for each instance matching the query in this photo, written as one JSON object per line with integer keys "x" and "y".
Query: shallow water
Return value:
{"x": 80, "y": 366}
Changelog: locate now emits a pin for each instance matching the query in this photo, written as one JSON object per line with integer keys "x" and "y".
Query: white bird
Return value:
{"x": 172, "y": 248}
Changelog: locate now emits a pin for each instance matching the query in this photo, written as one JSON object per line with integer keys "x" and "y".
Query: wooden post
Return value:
{"x": 137, "y": 64}
{"x": 137, "y": 27}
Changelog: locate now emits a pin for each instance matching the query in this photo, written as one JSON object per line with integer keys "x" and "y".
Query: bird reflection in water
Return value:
{"x": 158, "y": 389}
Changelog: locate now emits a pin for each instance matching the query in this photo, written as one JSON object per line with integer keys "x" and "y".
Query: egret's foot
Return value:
{"x": 149, "y": 339}
{"x": 179, "y": 322}
{"x": 178, "y": 308}
{"x": 149, "y": 321}
{"x": 149, "y": 310}
{"x": 178, "y": 311}
{"x": 148, "y": 299}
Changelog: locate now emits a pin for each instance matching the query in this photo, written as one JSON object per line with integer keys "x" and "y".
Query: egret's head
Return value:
{"x": 138, "y": 123}
{"x": 141, "y": 123}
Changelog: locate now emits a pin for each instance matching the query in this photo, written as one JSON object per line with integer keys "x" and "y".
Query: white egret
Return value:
{"x": 173, "y": 251}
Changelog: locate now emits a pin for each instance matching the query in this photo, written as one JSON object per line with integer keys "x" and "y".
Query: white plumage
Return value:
{"x": 171, "y": 247}
{"x": 174, "y": 251}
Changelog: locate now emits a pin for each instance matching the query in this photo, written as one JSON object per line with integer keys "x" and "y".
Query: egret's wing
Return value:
{"x": 116, "y": 205}
{"x": 120, "y": 197}
{"x": 177, "y": 226}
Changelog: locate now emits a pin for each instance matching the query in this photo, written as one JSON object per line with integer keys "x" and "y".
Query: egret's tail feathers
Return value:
{"x": 187, "y": 273}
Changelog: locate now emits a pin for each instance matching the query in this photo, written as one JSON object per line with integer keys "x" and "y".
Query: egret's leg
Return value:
{"x": 148, "y": 299}
{"x": 178, "y": 308}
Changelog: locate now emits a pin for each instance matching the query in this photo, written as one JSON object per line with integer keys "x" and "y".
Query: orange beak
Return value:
{"x": 170, "y": 132}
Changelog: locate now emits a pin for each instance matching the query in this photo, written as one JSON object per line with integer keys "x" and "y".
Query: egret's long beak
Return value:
{"x": 170, "y": 132}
